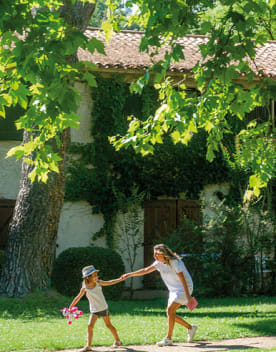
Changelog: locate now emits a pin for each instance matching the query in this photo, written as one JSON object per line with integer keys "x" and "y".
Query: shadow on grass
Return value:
{"x": 260, "y": 327}
{"x": 236, "y": 301}
{"x": 48, "y": 305}
{"x": 204, "y": 315}
{"x": 212, "y": 347}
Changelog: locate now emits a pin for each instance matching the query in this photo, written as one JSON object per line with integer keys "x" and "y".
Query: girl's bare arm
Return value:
{"x": 140, "y": 272}
{"x": 184, "y": 283}
{"x": 110, "y": 282}
{"x": 77, "y": 298}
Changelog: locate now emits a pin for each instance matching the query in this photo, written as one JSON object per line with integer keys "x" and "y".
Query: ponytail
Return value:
{"x": 166, "y": 252}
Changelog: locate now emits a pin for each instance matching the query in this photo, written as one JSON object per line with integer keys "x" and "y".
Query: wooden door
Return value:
{"x": 161, "y": 217}
{"x": 6, "y": 212}
{"x": 188, "y": 209}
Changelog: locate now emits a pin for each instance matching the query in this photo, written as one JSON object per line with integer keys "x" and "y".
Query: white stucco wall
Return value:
{"x": 10, "y": 170}
{"x": 77, "y": 225}
{"x": 208, "y": 198}
{"x": 83, "y": 134}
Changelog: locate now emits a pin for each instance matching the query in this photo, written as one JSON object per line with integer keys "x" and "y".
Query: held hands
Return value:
{"x": 125, "y": 276}
{"x": 114, "y": 281}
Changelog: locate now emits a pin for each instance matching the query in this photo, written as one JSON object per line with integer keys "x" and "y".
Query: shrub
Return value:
{"x": 66, "y": 276}
{"x": 187, "y": 240}
{"x": 221, "y": 254}
{"x": 215, "y": 257}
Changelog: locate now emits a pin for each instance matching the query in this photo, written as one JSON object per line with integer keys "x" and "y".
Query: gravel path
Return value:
{"x": 197, "y": 346}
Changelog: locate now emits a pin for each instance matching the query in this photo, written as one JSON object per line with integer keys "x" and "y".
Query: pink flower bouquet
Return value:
{"x": 70, "y": 314}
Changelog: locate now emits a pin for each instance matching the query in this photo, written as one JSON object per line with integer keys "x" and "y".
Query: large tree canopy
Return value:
{"x": 35, "y": 72}
{"x": 225, "y": 79}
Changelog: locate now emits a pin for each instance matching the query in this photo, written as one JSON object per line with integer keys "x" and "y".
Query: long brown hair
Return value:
{"x": 86, "y": 281}
{"x": 166, "y": 252}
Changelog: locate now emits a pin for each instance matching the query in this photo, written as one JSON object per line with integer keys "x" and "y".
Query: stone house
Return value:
{"x": 123, "y": 58}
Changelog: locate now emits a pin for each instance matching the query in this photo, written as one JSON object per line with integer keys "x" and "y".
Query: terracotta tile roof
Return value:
{"x": 122, "y": 52}
{"x": 266, "y": 59}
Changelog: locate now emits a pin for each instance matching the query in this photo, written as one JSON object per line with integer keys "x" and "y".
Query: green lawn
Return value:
{"x": 35, "y": 322}
{"x": 256, "y": 350}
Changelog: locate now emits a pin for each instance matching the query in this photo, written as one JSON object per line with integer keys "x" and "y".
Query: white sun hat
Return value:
{"x": 88, "y": 270}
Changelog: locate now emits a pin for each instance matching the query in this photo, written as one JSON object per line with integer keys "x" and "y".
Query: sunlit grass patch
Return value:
{"x": 35, "y": 323}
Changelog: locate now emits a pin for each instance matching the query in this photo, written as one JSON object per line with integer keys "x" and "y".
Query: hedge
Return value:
{"x": 67, "y": 277}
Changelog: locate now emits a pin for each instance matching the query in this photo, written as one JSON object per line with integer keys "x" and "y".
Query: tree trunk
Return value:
{"x": 31, "y": 247}
{"x": 79, "y": 14}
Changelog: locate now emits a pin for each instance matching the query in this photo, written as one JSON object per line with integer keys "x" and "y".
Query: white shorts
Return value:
{"x": 179, "y": 297}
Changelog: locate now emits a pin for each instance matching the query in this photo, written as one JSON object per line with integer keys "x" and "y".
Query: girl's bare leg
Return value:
{"x": 171, "y": 313}
{"x": 173, "y": 318}
{"x": 92, "y": 320}
{"x": 181, "y": 321}
{"x": 111, "y": 327}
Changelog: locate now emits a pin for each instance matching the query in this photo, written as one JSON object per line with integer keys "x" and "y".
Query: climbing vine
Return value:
{"x": 100, "y": 171}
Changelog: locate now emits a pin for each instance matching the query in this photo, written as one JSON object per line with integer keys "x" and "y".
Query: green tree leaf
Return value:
{"x": 96, "y": 44}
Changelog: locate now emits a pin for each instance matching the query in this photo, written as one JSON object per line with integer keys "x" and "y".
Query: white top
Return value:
{"x": 96, "y": 298}
{"x": 169, "y": 275}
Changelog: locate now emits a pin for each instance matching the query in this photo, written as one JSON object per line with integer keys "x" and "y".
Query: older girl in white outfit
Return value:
{"x": 179, "y": 283}
{"x": 98, "y": 306}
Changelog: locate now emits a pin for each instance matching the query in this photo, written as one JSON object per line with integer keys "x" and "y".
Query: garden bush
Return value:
{"x": 214, "y": 258}
{"x": 67, "y": 278}
{"x": 221, "y": 254}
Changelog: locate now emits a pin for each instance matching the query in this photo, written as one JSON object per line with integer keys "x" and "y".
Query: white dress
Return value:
{"x": 169, "y": 275}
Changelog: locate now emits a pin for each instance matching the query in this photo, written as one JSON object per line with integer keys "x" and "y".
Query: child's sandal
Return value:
{"x": 117, "y": 344}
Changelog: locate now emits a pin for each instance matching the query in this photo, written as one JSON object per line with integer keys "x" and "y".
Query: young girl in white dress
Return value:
{"x": 179, "y": 283}
{"x": 92, "y": 287}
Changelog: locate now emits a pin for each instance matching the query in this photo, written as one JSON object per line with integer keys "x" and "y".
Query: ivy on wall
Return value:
{"x": 100, "y": 173}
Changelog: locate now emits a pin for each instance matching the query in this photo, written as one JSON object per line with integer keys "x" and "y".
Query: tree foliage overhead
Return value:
{"x": 99, "y": 15}
{"x": 37, "y": 40}
{"x": 37, "y": 71}
{"x": 225, "y": 79}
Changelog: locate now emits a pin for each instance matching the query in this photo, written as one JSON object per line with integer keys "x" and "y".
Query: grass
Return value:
{"x": 35, "y": 324}
{"x": 254, "y": 350}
